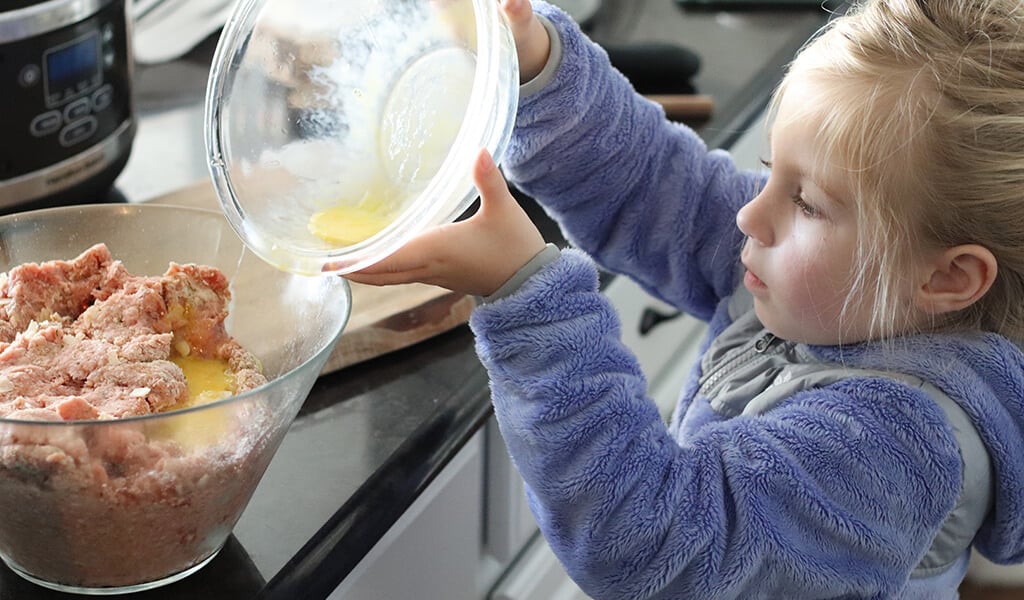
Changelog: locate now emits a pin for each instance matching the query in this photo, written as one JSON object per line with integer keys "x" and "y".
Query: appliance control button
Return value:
{"x": 29, "y": 75}
{"x": 77, "y": 109}
{"x": 102, "y": 98}
{"x": 78, "y": 131}
{"x": 45, "y": 123}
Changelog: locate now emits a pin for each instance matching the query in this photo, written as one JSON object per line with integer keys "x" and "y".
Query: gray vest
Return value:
{"x": 748, "y": 371}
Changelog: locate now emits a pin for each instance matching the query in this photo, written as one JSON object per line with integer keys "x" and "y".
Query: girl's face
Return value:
{"x": 800, "y": 253}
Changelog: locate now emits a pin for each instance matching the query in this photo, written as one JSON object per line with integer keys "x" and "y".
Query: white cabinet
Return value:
{"x": 433, "y": 550}
{"x": 463, "y": 539}
{"x": 537, "y": 576}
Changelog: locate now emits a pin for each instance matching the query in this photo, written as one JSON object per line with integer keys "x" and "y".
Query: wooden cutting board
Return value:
{"x": 384, "y": 319}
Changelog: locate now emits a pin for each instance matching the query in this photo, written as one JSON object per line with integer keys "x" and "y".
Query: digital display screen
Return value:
{"x": 73, "y": 68}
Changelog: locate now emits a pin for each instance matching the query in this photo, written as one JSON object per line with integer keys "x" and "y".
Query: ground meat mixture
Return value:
{"x": 118, "y": 503}
{"x": 87, "y": 333}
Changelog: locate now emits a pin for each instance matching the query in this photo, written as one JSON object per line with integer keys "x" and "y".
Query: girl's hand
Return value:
{"x": 532, "y": 42}
{"x": 475, "y": 256}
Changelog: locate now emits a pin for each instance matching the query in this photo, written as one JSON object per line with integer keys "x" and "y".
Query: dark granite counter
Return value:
{"x": 370, "y": 438}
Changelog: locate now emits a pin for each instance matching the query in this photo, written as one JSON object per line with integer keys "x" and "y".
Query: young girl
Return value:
{"x": 856, "y": 423}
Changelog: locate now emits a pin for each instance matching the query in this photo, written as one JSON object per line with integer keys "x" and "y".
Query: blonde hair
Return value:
{"x": 922, "y": 105}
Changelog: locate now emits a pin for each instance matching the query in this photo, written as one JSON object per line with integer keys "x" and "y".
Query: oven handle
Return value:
{"x": 651, "y": 318}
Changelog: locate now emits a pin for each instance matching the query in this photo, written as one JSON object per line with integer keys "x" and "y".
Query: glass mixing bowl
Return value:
{"x": 336, "y": 131}
{"x": 114, "y": 506}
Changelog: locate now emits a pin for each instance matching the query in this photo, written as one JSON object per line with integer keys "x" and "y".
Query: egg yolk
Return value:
{"x": 209, "y": 380}
{"x": 346, "y": 225}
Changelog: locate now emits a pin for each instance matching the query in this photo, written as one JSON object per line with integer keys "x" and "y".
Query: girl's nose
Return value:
{"x": 753, "y": 220}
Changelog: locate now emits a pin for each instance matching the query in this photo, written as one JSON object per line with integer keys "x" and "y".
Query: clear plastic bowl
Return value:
{"x": 371, "y": 110}
{"x": 115, "y": 506}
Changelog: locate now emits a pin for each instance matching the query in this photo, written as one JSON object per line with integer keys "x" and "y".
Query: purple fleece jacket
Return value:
{"x": 835, "y": 493}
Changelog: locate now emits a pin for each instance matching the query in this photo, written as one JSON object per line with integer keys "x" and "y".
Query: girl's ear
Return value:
{"x": 956, "y": 278}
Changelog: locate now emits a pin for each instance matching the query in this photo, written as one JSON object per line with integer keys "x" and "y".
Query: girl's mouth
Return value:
{"x": 753, "y": 282}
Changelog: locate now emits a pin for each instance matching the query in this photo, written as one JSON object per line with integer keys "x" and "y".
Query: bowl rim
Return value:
{"x": 163, "y": 207}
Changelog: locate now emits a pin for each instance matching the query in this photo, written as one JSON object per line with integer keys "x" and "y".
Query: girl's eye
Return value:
{"x": 804, "y": 207}
{"x": 798, "y": 198}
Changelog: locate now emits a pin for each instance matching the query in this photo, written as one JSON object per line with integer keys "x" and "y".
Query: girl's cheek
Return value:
{"x": 811, "y": 279}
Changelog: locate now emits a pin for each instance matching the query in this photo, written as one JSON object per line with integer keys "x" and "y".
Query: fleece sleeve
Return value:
{"x": 837, "y": 490}
{"x": 640, "y": 194}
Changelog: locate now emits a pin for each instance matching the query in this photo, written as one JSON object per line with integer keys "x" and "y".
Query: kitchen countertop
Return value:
{"x": 370, "y": 438}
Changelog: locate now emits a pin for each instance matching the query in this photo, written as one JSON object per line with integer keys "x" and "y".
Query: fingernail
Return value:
{"x": 486, "y": 162}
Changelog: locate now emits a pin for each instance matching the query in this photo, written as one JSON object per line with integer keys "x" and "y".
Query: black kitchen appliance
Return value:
{"x": 68, "y": 126}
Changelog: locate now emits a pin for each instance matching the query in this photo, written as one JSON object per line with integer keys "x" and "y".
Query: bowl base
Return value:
{"x": 111, "y": 591}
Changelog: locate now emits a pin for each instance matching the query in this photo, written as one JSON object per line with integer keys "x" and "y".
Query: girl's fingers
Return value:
{"x": 532, "y": 42}
{"x": 489, "y": 181}
{"x": 518, "y": 13}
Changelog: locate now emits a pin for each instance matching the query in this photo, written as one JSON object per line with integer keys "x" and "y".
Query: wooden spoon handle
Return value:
{"x": 684, "y": 106}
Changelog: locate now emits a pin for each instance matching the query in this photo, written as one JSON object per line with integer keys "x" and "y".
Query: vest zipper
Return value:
{"x": 745, "y": 355}
{"x": 763, "y": 343}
